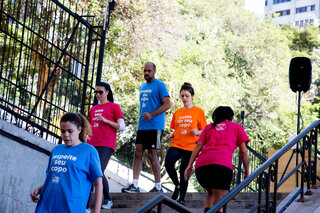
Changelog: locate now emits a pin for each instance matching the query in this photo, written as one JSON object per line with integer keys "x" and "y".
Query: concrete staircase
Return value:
{"x": 131, "y": 202}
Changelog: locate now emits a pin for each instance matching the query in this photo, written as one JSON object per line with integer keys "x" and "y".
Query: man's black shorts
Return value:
{"x": 151, "y": 139}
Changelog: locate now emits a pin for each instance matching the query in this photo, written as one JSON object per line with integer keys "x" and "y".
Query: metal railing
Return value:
{"x": 306, "y": 168}
{"x": 257, "y": 156}
{"x": 159, "y": 201}
{"x": 50, "y": 59}
{"x": 267, "y": 174}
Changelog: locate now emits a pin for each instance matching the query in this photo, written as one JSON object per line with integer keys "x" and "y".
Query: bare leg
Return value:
{"x": 137, "y": 160}
{"x": 155, "y": 165}
{"x": 214, "y": 196}
{"x": 208, "y": 203}
{"x": 218, "y": 194}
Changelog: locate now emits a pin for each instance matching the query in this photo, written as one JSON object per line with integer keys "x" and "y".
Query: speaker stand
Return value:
{"x": 297, "y": 150}
{"x": 298, "y": 121}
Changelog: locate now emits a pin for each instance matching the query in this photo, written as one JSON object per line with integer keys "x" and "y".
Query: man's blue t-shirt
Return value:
{"x": 70, "y": 174}
{"x": 150, "y": 100}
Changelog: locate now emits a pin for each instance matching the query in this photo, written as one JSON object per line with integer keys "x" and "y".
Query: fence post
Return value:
{"x": 110, "y": 6}
{"x": 315, "y": 159}
{"x": 301, "y": 199}
{"x": 309, "y": 145}
{"x": 84, "y": 90}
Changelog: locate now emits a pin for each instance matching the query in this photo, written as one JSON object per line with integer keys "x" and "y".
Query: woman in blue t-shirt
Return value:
{"x": 72, "y": 168}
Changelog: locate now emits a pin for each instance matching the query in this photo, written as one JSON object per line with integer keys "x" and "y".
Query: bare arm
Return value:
{"x": 98, "y": 194}
{"x": 35, "y": 194}
{"x": 115, "y": 125}
{"x": 195, "y": 132}
{"x": 169, "y": 136}
{"x": 193, "y": 157}
{"x": 166, "y": 104}
{"x": 244, "y": 157}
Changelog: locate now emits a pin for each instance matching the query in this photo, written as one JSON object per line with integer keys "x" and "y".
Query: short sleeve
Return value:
{"x": 163, "y": 90}
{"x": 94, "y": 165}
{"x": 48, "y": 168}
{"x": 90, "y": 116}
{"x": 242, "y": 135}
{"x": 202, "y": 120}
{"x": 173, "y": 121}
{"x": 203, "y": 136}
{"x": 117, "y": 112}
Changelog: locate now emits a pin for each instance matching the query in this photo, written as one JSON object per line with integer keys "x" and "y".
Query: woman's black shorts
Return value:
{"x": 214, "y": 176}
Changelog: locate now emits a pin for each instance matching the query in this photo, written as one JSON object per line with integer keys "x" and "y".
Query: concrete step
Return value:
{"x": 131, "y": 202}
{"x": 311, "y": 202}
{"x": 168, "y": 210}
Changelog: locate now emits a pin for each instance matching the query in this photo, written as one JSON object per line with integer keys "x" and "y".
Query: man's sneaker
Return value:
{"x": 175, "y": 194}
{"x": 88, "y": 210}
{"x": 107, "y": 204}
{"x": 130, "y": 189}
{"x": 154, "y": 189}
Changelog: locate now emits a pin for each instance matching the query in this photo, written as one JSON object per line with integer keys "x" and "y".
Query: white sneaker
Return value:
{"x": 88, "y": 210}
{"x": 107, "y": 204}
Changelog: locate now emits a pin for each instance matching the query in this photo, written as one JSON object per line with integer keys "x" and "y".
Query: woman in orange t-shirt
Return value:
{"x": 187, "y": 123}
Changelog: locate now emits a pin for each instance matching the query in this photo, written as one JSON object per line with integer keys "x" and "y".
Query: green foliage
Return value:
{"x": 227, "y": 54}
{"x": 302, "y": 40}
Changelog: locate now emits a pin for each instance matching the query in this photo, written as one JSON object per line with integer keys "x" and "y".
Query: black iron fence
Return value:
{"x": 50, "y": 59}
{"x": 257, "y": 155}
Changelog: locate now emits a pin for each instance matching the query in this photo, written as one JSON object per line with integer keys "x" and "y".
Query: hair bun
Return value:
{"x": 187, "y": 84}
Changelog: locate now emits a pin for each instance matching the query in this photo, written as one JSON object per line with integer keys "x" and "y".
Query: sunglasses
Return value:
{"x": 98, "y": 91}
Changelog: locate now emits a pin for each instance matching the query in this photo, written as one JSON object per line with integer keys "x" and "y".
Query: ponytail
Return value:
{"x": 80, "y": 121}
{"x": 220, "y": 114}
{"x": 108, "y": 88}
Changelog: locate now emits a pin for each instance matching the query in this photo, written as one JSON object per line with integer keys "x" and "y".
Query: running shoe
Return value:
{"x": 154, "y": 189}
{"x": 130, "y": 189}
{"x": 107, "y": 204}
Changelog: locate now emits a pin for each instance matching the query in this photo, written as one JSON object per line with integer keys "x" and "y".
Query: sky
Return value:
{"x": 256, "y": 6}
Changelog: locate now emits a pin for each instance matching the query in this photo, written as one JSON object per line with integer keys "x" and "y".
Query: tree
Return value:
{"x": 227, "y": 54}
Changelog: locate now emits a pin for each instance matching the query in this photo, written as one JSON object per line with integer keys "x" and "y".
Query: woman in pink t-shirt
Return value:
{"x": 217, "y": 143}
{"x": 105, "y": 119}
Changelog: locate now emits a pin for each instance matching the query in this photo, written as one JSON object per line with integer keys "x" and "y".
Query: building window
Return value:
{"x": 283, "y": 12}
{"x": 301, "y": 24}
{"x": 312, "y": 7}
{"x": 280, "y": 1}
{"x": 301, "y": 9}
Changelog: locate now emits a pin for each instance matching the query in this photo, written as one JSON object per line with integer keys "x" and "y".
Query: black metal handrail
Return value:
{"x": 308, "y": 173}
{"x": 162, "y": 199}
{"x": 257, "y": 154}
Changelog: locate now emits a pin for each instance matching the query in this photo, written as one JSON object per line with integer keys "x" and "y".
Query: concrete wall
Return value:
{"x": 22, "y": 169}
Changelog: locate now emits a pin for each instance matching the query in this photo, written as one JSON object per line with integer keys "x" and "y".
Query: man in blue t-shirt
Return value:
{"x": 154, "y": 101}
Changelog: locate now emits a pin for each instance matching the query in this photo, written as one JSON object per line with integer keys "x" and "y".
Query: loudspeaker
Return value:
{"x": 300, "y": 72}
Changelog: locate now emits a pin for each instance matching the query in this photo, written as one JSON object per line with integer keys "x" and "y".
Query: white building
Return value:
{"x": 297, "y": 12}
